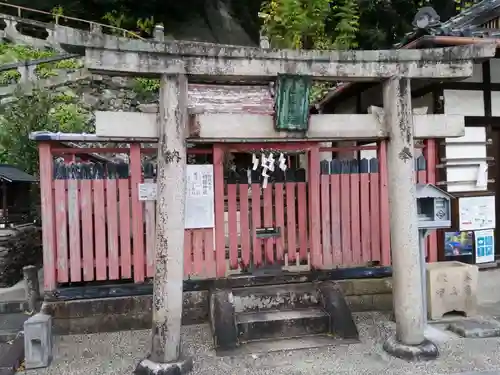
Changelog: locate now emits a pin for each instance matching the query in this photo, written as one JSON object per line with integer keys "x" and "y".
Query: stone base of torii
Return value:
{"x": 176, "y": 62}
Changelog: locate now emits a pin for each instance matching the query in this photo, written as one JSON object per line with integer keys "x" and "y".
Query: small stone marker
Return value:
{"x": 32, "y": 286}
{"x": 38, "y": 341}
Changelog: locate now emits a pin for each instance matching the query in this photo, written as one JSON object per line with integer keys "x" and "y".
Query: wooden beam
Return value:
{"x": 225, "y": 127}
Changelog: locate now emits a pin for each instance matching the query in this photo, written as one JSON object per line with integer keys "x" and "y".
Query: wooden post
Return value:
{"x": 430, "y": 157}
{"x": 48, "y": 222}
{"x": 314, "y": 207}
{"x": 169, "y": 241}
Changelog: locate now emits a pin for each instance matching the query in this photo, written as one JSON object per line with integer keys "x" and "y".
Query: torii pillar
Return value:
{"x": 166, "y": 357}
{"x": 409, "y": 342}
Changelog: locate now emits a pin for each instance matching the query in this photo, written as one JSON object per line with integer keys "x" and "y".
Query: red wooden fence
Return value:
{"x": 98, "y": 230}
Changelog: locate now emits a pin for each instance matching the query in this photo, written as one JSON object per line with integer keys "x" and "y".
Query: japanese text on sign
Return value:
{"x": 199, "y": 208}
{"x": 199, "y": 204}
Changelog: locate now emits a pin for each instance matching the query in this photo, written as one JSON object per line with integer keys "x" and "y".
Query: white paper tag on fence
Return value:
{"x": 147, "y": 191}
{"x": 482, "y": 175}
{"x": 199, "y": 196}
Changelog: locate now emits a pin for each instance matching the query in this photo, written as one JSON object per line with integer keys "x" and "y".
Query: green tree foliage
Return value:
{"x": 40, "y": 111}
{"x": 381, "y": 23}
{"x": 311, "y": 24}
{"x": 10, "y": 53}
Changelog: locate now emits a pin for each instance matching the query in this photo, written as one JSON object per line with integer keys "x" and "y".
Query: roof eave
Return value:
{"x": 434, "y": 40}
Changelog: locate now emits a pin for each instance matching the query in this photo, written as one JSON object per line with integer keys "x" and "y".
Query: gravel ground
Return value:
{"x": 118, "y": 353}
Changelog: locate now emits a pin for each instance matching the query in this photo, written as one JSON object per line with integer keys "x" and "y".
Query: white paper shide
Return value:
{"x": 267, "y": 164}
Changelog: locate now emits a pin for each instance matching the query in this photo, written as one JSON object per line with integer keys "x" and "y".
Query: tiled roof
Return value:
{"x": 12, "y": 174}
{"x": 467, "y": 24}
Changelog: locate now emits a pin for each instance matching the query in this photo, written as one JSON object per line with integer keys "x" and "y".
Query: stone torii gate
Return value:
{"x": 176, "y": 62}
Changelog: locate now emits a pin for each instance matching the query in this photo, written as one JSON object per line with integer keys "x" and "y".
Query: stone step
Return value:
{"x": 275, "y": 297}
{"x": 258, "y": 314}
{"x": 284, "y": 344}
{"x": 11, "y": 307}
{"x": 260, "y": 325}
{"x": 11, "y": 325}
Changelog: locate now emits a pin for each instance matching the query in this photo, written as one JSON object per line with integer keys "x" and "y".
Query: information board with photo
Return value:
{"x": 458, "y": 243}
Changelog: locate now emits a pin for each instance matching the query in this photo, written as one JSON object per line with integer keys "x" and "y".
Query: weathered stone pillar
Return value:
{"x": 166, "y": 355}
{"x": 409, "y": 342}
{"x": 31, "y": 287}
{"x": 27, "y": 73}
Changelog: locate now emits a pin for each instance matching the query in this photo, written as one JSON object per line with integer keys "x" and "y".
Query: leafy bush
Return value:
{"x": 146, "y": 88}
{"x": 10, "y": 53}
{"x": 36, "y": 112}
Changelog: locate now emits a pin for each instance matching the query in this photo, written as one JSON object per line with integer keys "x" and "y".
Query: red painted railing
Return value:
{"x": 96, "y": 229}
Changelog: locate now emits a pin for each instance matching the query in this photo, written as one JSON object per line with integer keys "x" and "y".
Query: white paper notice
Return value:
{"x": 147, "y": 191}
{"x": 476, "y": 213}
{"x": 482, "y": 175}
{"x": 199, "y": 207}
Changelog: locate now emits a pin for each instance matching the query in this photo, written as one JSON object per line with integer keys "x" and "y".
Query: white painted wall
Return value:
{"x": 495, "y": 70}
{"x": 424, "y": 101}
{"x": 495, "y": 103}
{"x": 465, "y": 103}
{"x": 495, "y": 78}
{"x": 456, "y": 150}
{"x": 477, "y": 74}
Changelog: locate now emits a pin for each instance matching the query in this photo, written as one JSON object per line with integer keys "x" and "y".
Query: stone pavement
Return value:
{"x": 118, "y": 353}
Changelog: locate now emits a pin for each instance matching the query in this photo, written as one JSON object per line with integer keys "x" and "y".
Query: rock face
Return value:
{"x": 216, "y": 23}
{"x": 105, "y": 93}
{"x": 19, "y": 246}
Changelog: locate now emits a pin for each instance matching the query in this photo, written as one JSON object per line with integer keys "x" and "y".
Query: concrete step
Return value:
{"x": 275, "y": 297}
{"x": 260, "y": 325}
